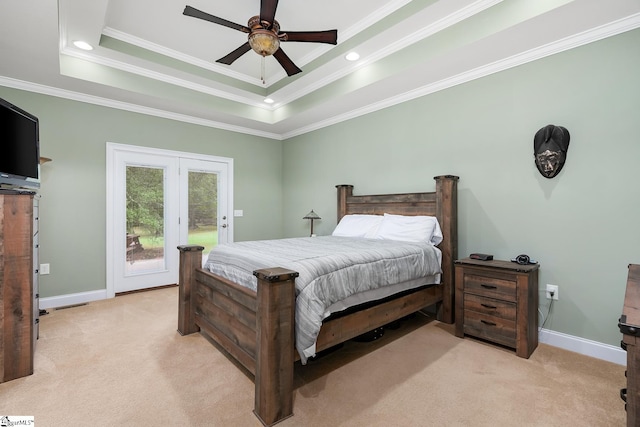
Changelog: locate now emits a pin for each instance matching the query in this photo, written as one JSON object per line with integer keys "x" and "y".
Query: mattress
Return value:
{"x": 335, "y": 273}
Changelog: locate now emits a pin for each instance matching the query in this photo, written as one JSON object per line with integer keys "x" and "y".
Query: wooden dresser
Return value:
{"x": 498, "y": 302}
{"x": 629, "y": 324}
{"x": 18, "y": 284}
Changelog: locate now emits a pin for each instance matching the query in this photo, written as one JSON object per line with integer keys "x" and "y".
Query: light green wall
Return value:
{"x": 73, "y": 204}
{"x": 582, "y": 226}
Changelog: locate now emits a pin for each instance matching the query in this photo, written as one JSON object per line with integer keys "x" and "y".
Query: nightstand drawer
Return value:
{"x": 491, "y": 287}
{"x": 492, "y": 328}
{"x": 493, "y": 307}
{"x": 497, "y": 301}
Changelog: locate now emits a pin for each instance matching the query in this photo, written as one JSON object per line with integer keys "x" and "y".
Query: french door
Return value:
{"x": 157, "y": 200}
{"x": 204, "y": 219}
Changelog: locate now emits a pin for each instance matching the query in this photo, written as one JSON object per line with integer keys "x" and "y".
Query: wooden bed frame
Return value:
{"x": 257, "y": 328}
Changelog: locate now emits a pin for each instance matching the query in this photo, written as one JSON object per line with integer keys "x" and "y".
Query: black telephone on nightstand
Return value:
{"x": 523, "y": 260}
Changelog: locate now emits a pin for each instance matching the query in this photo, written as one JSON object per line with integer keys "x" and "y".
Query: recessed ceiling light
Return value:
{"x": 269, "y": 101}
{"x": 352, "y": 56}
{"x": 82, "y": 45}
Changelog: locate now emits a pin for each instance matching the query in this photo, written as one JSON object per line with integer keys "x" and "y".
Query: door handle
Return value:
{"x": 224, "y": 225}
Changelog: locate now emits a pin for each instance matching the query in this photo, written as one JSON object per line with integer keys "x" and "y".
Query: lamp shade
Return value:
{"x": 311, "y": 215}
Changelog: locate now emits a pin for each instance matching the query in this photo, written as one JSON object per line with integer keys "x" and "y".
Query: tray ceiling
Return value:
{"x": 149, "y": 57}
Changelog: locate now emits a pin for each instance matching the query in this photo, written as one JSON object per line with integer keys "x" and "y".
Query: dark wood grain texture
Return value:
{"x": 631, "y": 341}
{"x": 16, "y": 286}
{"x": 498, "y": 301}
{"x": 275, "y": 352}
{"x": 256, "y": 329}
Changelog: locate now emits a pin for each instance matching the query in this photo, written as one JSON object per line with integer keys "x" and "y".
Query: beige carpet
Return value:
{"x": 120, "y": 362}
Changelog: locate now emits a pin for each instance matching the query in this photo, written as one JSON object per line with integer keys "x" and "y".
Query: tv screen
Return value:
{"x": 19, "y": 147}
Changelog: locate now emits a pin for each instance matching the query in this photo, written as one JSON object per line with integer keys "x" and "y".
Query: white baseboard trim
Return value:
{"x": 584, "y": 346}
{"x": 72, "y": 299}
{"x": 579, "y": 345}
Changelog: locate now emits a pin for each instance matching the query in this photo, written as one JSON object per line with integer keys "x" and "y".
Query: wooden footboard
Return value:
{"x": 257, "y": 328}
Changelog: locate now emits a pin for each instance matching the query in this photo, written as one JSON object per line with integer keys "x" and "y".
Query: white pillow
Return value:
{"x": 358, "y": 226}
{"x": 409, "y": 228}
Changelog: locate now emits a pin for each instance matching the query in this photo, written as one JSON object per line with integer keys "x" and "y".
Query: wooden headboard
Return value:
{"x": 442, "y": 203}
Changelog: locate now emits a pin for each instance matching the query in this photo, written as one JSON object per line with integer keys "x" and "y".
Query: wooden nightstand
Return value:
{"x": 498, "y": 301}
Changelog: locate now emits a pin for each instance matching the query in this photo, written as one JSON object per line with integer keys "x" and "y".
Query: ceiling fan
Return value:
{"x": 265, "y": 35}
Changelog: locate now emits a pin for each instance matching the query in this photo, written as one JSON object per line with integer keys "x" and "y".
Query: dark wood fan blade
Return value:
{"x": 268, "y": 10}
{"x": 286, "y": 62}
{"x": 192, "y": 11}
{"x": 329, "y": 36}
{"x": 235, "y": 54}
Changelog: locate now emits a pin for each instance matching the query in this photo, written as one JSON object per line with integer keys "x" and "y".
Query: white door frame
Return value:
{"x": 223, "y": 215}
{"x": 114, "y": 181}
{"x": 161, "y": 272}
{"x": 224, "y": 219}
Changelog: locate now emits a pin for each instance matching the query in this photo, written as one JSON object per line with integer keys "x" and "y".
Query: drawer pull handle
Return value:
{"x": 493, "y": 307}
{"x": 486, "y": 322}
{"x": 488, "y": 286}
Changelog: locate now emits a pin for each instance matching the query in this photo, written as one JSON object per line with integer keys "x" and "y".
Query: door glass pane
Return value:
{"x": 203, "y": 210}
{"x": 145, "y": 219}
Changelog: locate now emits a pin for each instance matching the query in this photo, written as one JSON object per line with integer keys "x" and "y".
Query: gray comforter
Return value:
{"x": 331, "y": 269}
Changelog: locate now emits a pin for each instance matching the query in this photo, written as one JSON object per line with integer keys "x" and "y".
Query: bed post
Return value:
{"x": 447, "y": 214}
{"x": 190, "y": 259}
{"x": 344, "y": 191}
{"x": 275, "y": 349}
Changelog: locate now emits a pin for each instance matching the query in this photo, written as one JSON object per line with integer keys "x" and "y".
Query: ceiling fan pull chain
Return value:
{"x": 262, "y": 76}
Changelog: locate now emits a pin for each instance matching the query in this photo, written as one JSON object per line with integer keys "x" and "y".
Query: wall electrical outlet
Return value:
{"x": 44, "y": 268}
{"x": 550, "y": 289}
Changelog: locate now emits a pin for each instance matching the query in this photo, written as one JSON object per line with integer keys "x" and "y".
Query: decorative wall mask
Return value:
{"x": 550, "y": 145}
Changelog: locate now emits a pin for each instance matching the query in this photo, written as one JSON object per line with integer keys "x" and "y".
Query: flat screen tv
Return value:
{"x": 19, "y": 148}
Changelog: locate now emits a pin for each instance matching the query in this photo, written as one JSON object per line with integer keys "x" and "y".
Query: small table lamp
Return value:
{"x": 311, "y": 215}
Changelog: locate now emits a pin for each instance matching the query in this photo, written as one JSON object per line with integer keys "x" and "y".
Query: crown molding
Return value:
{"x": 390, "y": 49}
{"x": 617, "y": 27}
{"x": 126, "y": 106}
{"x": 162, "y": 77}
{"x": 179, "y": 56}
{"x": 249, "y": 99}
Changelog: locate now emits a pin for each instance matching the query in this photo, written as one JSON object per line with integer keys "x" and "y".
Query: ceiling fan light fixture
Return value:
{"x": 264, "y": 36}
{"x": 264, "y": 42}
